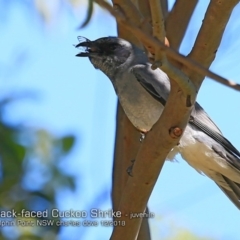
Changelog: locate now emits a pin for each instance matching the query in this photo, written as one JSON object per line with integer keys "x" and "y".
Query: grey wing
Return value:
{"x": 224, "y": 148}
{"x": 157, "y": 84}
{"x": 234, "y": 193}
{"x": 199, "y": 113}
{"x": 202, "y": 121}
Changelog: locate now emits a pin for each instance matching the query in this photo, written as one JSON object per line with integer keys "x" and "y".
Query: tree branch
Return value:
{"x": 158, "y": 27}
{"x": 164, "y": 4}
{"x": 177, "y": 21}
{"x": 208, "y": 41}
{"x": 142, "y": 183}
{"x": 160, "y": 57}
{"x": 157, "y": 20}
{"x": 144, "y": 8}
{"x": 132, "y": 15}
{"x": 149, "y": 162}
{"x": 149, "y": 40}
{"x": 161, "y": 139}
{"x": 126, "y": 147}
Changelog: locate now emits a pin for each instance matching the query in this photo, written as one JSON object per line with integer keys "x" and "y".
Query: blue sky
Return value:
{"x": 74, "y": 97}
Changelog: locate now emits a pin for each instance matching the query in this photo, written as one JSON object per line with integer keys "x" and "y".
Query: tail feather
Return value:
{"x": 233, "y": 195}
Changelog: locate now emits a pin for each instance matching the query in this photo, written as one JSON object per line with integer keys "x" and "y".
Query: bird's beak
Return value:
{"x": 89, "y": 49}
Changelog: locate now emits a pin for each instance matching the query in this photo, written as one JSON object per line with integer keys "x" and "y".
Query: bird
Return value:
{"x": 143, "y": 93}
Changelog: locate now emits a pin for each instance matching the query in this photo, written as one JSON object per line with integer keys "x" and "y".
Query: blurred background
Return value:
{"x": 57, "y": 127}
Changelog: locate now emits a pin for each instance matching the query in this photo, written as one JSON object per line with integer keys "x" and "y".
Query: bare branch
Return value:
{"x": 160, "y": 57}
{"x": 126, "y": 147}
{"x": 164, "y": 4}
{"x": 144, "y": 232}
{"x": 208, "y": 41}
{"x": 148, "y": 39}
{"x": 149, "y": 162}
{"x": 189, "y": 63}
{"x": 157, "y": 20}
{"x": 183, "y": 81}
{"x": 158, "y": 27}
{"x": 144, "y": 8}
{"x": 177, "y": 21}
{"x": 164, "y": 136}
{"x": 131, "y": 13}
{"x": 143, "y": 182}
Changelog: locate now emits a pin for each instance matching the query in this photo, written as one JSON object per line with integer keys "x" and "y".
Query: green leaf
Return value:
{"x": 20, "y": 151}
{"x": 89, "y": 14}
{"x": 67, "y": 143}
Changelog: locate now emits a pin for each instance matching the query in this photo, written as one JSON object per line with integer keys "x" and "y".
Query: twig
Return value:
{"x": 158, "y": 30}
{"x": 147, "y": 39}
{"x": 209, "y": 38}
{"x": 144, "y": 8}
{"x": 182, "y": 80}
{"x": 177, "y": 21}
{"x": 164, "y": 4}
{"x": 157, "y": 20}
{"x": 174, "y": 73}
{"x": 131, "y": 13}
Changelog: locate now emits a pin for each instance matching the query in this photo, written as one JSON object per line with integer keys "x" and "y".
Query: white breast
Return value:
{"x": 204, "y": 159}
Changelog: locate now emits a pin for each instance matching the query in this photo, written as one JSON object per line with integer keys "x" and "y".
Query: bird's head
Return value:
{"x": 106, "y": 54}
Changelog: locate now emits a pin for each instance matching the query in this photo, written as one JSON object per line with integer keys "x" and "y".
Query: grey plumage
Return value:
{"x": 143, "y": 93}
